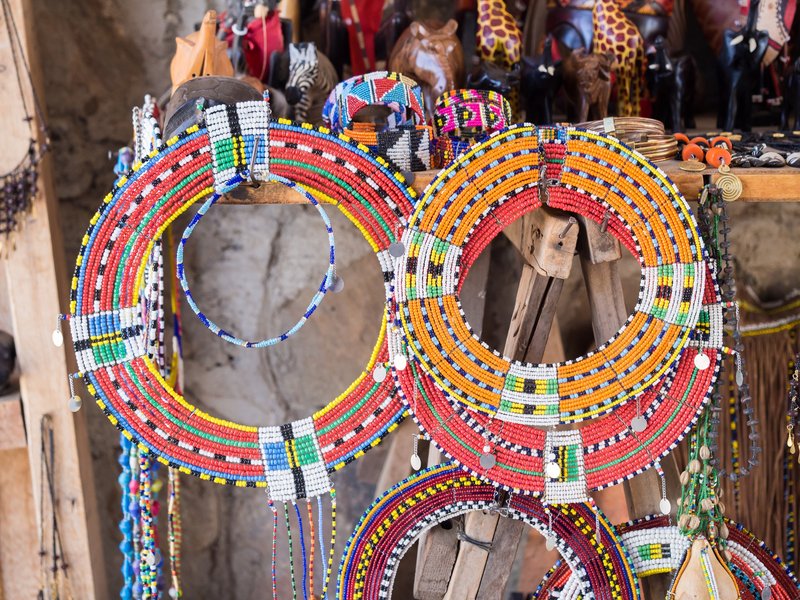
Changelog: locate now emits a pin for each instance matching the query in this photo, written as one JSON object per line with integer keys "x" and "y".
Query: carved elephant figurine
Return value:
{"x": 587, "y": 81}
{"x": 671, "y": 81}
{"x": 493, "y": 78}
{"x": 432, "y": 57}
{"x": 541, "y": 80}
{"x": 738, "y": 67}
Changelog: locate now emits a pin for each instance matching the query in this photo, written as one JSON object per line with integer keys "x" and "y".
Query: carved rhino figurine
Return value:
{"x": 432, "y": 56}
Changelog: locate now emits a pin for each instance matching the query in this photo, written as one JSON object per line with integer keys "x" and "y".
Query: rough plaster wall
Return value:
{"x": 254, "y": 268}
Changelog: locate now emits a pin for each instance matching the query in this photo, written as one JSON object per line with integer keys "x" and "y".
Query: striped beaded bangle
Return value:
{"x": 640, "y": 392}
{"x": 582, "y": 534}
{"x": 656, "y": 546}
{"x": 327, "y": 281}
{"x": 108, "y": 333}
{"x": 463, "y": 113}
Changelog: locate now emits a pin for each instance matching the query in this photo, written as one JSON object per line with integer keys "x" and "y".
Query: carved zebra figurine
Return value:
{"x": 311, "y": 79}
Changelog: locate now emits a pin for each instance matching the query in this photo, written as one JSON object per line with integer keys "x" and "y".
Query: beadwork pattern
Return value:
{"x": 655, "y": 546}
{"x": 470, "y": 395}
{"x": 462, "y": 112}
{"x": 107, "y": 330}
{"x": 396, "y": 519}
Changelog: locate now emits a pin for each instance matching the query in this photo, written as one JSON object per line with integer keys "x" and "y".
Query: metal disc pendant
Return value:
{"x": 552, "y": 470}
{"x": 550, "y": 544}
{"x": 739, "y": 378}
{"x": 58, "y": 338}
{"x": 488, "y": 461}
{"x": 400, "y": 362}
{"x": 397, "y": 249}
{"x": 379, "y": 373}
{"x": 638, "y": 424}
{"x": 75, "y": 403}
{"x": 665, "y": 505}
{"x": 416, "y": 462}
{"x": 702, "y": 362}
{"x": 337, "y": 285}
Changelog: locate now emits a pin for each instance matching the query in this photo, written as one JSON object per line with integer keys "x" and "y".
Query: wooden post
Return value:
{"x": 600, "y": 271}
{"x": 547, "y": 241}
{"x": 38, "y": 291}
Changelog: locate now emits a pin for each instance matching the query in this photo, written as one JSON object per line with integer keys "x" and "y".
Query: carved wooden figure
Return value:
{"x": 430, "y": 56}
{"x": 541, "y": 80}
{"x": 613, "y": 32}
{"x": 671, "y": 80}
{"x": 499, "y": 39}
{"x": 587, "y": 81}
{"x": 200, "y": 54}
{"x": 491, "y": 77}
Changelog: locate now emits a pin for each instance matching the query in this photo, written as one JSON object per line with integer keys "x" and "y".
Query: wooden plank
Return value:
{"x": 643, "y": 492}
{"x": 19, "y": 544}
{"x": 546, "y": 243}
{"x": 12, "y": 423}
{"x": 35, "y": 270}
{"x": 758, "y": 185}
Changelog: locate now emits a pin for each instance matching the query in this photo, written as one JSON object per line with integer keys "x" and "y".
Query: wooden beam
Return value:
{"x": 547, "y": 241}
{"x": 643, "y": 492}
{"x": 12, "y": 423}
{"x": 38, "y": 291}
{"x": 758, "y": 185}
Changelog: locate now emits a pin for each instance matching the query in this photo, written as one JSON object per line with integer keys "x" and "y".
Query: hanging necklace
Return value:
{"x": 18, "y": 186}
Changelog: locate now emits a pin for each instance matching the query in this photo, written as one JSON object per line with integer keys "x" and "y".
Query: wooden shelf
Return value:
{"x": 758, "y": 184}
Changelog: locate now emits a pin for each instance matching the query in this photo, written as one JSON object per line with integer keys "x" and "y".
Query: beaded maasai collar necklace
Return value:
{"x": 656, "y": 546}
{"x": 393, "y": 523}
{"x": 294, "y": 459}
{"x": 640, "y": 391}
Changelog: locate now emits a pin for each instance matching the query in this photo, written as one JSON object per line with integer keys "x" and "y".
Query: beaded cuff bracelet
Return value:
{"x": 108, "y": 334}
{"x": 395, "y": 521}
{"x": 655, "y": 546}
{"x": 642, "y": 389}
{"x": 406, "y": 140}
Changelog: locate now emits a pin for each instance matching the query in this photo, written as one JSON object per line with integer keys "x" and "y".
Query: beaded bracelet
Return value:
{"x": 642, "y": 389}
{"x": 399, "y": 93}
{"x": 406, "y": 140}
{"x": 327, "y": 282}
{"x": 108, "y": 333}
{"x": 580, "y": 532}
{"x": 656, "y": 546}
{"x": 463, "y": 113}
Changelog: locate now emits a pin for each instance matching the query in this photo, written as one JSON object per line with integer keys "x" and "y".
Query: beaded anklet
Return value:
{"x": 665, "y": 357}
{"x": 395, "y": 520}
{"x": 327, "y": 282}
{"x": 656, "y": 546}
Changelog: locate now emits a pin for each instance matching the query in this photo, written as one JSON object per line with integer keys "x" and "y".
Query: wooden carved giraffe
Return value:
{"x": 614, "y": 33}
{"x": 499, "y": 40}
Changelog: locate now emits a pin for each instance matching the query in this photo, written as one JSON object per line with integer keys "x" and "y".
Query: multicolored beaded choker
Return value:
{"x": 395, "y": 521}
{"x": 406, "y": 140}
{"x": 656, "y": 546}
{"x": 295, "y": 459}
{"x": 461, "y": 117}
{"x": 655, "y": 373}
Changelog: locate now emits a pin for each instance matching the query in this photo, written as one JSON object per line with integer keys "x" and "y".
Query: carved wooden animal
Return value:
{"x": 739, "y": 63}
{"x": 499, "y": 39}
{"x": 671, "y": 81}
{"x": 541, "y": 80}
{"x": 432, "y": 57}
{"x": 587, "y": 81}
{"x": 311, "y": 78}
{"x": 200, "y": 54}
{"x": 491, "y": 77}
{"x": 613, "y": 32}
